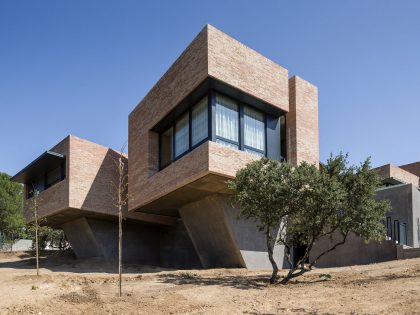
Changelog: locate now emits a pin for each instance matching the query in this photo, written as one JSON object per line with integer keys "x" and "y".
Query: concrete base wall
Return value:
{"x": 221, "y": 240}
{"x": 176, "y": 248}
{"x": 99, "y": 238}
{"x": 407, "y": 253}
{"x": 354, "y": 252}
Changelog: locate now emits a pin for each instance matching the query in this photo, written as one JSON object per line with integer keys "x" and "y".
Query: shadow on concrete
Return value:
{"x": 234, "y": 281}
{"x": 66, "y": 262}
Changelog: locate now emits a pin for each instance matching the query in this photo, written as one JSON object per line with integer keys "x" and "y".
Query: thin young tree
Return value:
{"x": 119, "y": 194}
{"x": 34, "y": 207}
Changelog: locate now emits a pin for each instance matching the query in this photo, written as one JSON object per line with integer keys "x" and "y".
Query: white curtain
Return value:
{"x": 227, "y": 120}
{"x": 181, "y": 135}
{"x": 254, "y": 135}
{"x": 199, "y": 122}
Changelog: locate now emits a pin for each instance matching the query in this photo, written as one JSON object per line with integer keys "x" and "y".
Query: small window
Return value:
{"x": 396, "y": 231}
{"x": 254, "y": 131}
{"x": 199, "y": 122}
{"x": 182, "y": 138}
{"x": 227, "y": 122}
{"x": 166, "y": 149}
{"x": 403, "y": 234}
{"x": 53, "y": 177}
{"x": 389, "y": 228}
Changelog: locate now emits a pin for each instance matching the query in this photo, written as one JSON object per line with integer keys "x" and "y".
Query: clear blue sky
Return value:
{"x": 80, "y": 67}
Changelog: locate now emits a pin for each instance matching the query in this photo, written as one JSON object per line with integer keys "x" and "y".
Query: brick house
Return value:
{"x": 218, "y": 107}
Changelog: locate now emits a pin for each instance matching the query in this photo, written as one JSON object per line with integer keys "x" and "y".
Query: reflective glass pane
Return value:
{"x": 199, "y": 122}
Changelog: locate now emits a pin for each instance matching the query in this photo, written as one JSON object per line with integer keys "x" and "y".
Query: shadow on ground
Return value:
{"x": 235, "y": 281}
{"x": 262, "y": 281}
{"x": 67, "y": 262}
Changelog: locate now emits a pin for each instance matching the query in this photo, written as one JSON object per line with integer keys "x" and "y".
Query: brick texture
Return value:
{"x": 413, "y": 168}
{"x": 211, "y": 54}
{"x": 302, "y": 123}
{"x": 242, "y": 67}
{"x": 90, "y": 170}
{"x": 391, "y": 171}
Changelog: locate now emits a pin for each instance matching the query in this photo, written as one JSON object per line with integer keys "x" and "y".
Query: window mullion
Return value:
{"x": 189, "y": 128}
{"x": 241, "y": 126}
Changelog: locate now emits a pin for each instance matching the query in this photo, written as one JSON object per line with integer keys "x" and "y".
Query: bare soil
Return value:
{"x": 70, "y": 286}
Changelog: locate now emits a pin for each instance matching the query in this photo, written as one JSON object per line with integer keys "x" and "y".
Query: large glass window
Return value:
{"x": 224, "y": 120}
{"x": 187, "y": 131}
{"x": 182, "y": 135}
{"x": 254, "y": 131}
{"x": 199, "y": 122}
{"x": 227, "y": 122}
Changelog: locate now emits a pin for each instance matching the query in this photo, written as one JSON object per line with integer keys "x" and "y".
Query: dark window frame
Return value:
{"x": 389, "y": 227}
{"x": 211, "y": 123}
{"x": 396, "y": 231}
{"x": 173, "y": 124}
{"x": 45, "y": 184}
{"x": 405, "y": 233}
{"x": 241, "y": 126}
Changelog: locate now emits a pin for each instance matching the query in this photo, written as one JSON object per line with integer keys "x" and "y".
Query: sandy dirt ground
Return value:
{"x": 70, "y": 286}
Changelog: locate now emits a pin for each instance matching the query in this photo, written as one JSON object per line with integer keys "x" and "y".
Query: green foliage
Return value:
{"x": 11, "y": 210}
{"x": 263, "y": 190}
{"x": 316, "y": 206}
{"x": 361, "y": 213}
{"x": 325, "y": 276}
{"x": 48, "y": 236}
{"x": 308, "y": 203}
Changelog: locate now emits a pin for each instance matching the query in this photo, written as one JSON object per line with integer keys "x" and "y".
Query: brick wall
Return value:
{"x": 413, "y": 168}
{"x": 391, "y": 171}
{"x": 55, "y": 198}
{"x": 211, "y": 54}
{"x": 302, "y": 122}
{"x": 242, "y": 67}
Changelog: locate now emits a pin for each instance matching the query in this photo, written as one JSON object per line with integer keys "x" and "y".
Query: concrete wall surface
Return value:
{"x": 354, "y": 252}
{"x": 221, "y": 240}
{"x": 401, "y": 199}
{"x": 99, "y": 238}
{"x": 416, "y": 216}
{"x": 177, "y": 249}
{"x": 407, "y": 253}
{"x": 17, "y": 246}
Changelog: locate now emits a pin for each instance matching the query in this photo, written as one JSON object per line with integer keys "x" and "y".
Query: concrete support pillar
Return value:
{"x": 223, "y": 240}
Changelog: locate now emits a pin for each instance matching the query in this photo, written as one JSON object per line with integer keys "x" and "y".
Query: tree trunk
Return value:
{"x": 270, "y": 249}
{"x": 328, "y": 250}
{"x": 36, "y": 244}
{"x": 119, "y": 250}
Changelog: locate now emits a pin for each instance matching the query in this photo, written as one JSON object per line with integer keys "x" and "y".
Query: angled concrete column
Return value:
{"x": 221, "y": 240}
{"x": 81, "y": 238}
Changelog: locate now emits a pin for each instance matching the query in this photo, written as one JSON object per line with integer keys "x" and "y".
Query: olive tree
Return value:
{"x": 308, "y": 204}
{"x": 263, "y": 194}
